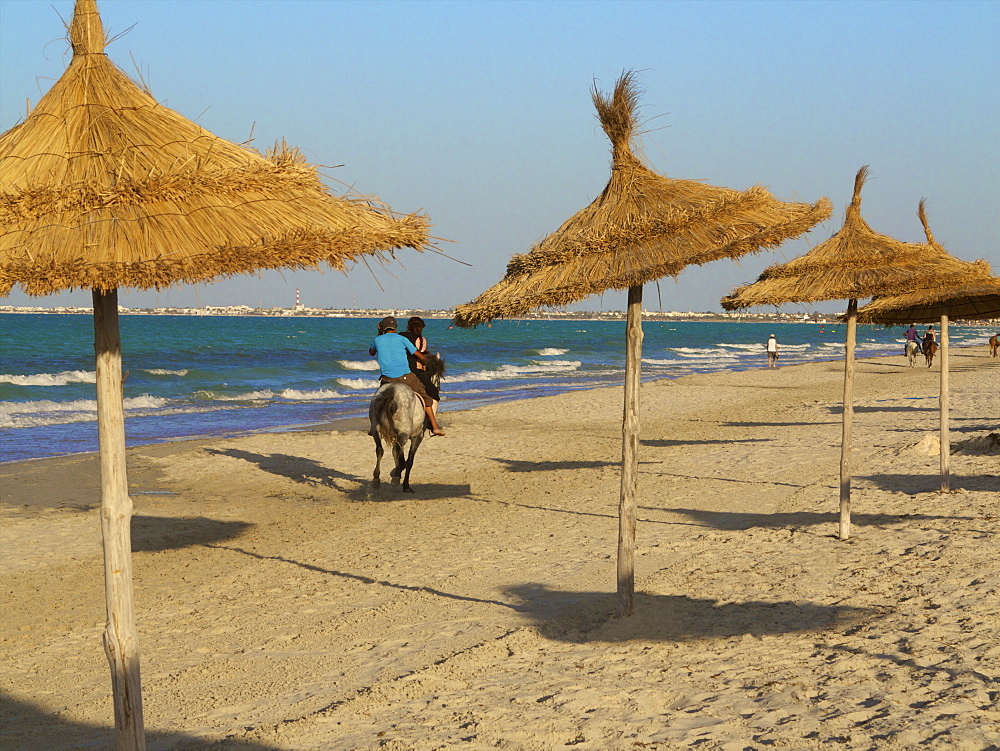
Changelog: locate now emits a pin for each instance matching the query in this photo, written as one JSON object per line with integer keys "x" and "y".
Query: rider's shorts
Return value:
{"x": 414, "y": 383}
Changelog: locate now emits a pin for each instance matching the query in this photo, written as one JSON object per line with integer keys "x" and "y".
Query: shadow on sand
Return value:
{"x": 295, "y": 468}
{"x": 731, "y": 521}
{"x": 931, "y": 482}
{"x": 157, "y": 533}
{"x": 514, "y": 465}
{"x": 668, "y": 442}
{"x": 27, "y": 728}
{"x": 361, "y": 578}
{"x": 590, "y": 617}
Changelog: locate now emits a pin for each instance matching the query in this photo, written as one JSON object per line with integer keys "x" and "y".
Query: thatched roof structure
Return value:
{"x": 103, "y": 187}
{"x": 977, "y": 299}
{"x": 643, "y": 226}
{"x": 856, "y": 262}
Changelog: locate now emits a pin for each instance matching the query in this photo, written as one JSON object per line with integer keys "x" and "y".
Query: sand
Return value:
{"x": 283, "y": 605}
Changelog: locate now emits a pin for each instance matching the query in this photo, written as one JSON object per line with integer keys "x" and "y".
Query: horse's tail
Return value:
{"x": 385, "y": 408}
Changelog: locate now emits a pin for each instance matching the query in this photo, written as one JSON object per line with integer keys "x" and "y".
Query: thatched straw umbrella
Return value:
{"x": 643, "y": 226}
{"x": 856, "y": 262}
{"x": 975, "y": 299}
{"x": 101, "y": 188}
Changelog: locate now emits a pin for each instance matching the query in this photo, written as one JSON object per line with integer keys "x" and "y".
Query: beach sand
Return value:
{"x": 283, "y": 605}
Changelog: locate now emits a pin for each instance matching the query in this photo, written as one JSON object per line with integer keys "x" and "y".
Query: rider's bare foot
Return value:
{"x": 437, "y": 432}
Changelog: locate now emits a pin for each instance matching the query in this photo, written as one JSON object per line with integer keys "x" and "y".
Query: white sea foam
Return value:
{"x": 297, "y": 395}
{"x": 358, "y": 364}
{"x": 51, "y": 379}
{"x": 515, "y": 371}
{"x": 48, "y": 412}
{"x": 358, "y": 383}
{"x": 710, "y": 353}
{"x": 163, "y": 371}
{"x": 549, "y": 351}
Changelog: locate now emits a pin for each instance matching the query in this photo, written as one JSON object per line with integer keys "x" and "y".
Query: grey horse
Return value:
{"x": 397, "y": 417}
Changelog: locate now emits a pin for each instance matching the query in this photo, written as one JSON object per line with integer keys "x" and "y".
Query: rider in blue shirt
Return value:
{"x": 391, "y": 350}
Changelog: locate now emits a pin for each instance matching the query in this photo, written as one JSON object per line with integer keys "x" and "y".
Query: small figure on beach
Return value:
{"x": 929, "y": 337}
{"x": 994, "y": 345}
{"x": 912, "y": 335}
{"x": 415, "y": 333}
{"x": 392, "y": 350}
{"x": 772, "y": 351}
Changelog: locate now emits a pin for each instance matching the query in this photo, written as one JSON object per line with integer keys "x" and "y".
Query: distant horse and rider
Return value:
{"x": 930, "y": 349}
{"x": 912, "y": 350}
{"x": 397, "y": 416}
{"x": 405, "y": 405}
{"x": 994, "y": 345}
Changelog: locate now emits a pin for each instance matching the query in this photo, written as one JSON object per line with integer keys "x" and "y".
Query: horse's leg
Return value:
{"x": 379, "y": 451}
{"x": 397, "y": 471}
{"x": 414, "y": 445}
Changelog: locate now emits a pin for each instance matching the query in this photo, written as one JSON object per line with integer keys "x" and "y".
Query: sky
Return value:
{"x": 478, "y": 113}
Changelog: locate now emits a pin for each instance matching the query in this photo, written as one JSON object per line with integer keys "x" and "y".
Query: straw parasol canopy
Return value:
{"x": 101, "y": 187}
{"x": 973, "y": 301}
{"x": 856, "y": 262}
{"x": 641, "y": 227}
{"x": 975, "y": 298}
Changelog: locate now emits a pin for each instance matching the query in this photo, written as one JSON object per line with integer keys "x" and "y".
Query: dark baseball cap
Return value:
{"x": 387, "y": 324}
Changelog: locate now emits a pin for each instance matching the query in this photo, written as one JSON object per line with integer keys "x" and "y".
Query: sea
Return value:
{"x": 202, "y": 376}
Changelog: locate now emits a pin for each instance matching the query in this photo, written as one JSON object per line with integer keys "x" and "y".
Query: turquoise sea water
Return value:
{"x": 217, "y": 375}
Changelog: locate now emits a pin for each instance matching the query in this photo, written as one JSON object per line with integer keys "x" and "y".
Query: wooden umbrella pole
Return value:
{"x": 845, "y": 444}
{"x": 630, "y": 446}
{"x": 120, "y": 640}
{"x": 943, "y": 402}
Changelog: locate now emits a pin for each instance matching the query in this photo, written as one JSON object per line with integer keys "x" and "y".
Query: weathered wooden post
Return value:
{"x": 120, "y": 640}
{"x": 845, "y": 445}
{"x": 943, "y": 402}
{"x": 630, "y": 452}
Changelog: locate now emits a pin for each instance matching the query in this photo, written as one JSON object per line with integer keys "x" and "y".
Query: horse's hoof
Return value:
{"x": 407, "y": 489}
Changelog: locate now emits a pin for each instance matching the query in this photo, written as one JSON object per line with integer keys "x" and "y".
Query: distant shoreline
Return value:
{"x": 242, "y": 311}
{"x": 303, "y": 312}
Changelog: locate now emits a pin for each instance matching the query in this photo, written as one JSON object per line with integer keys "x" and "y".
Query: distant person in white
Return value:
{"x": 772, "y": 352}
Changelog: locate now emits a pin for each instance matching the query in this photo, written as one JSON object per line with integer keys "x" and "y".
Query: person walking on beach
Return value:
{"x": 912, "y": 335}
{"x": 415, "y": 333}
{"x": 772, "y": 352}
{"x": 391, "y": 349}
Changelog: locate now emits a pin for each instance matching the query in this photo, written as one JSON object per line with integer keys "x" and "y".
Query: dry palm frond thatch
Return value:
{"x": 856, "y": 262}
{"x": 103, "y": 187}
{"x": 976, "y": 298}
{"x": 643, "y": 226}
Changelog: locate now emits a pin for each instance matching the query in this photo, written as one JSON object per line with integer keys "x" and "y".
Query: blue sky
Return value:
{"x": 479, "y": 114}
